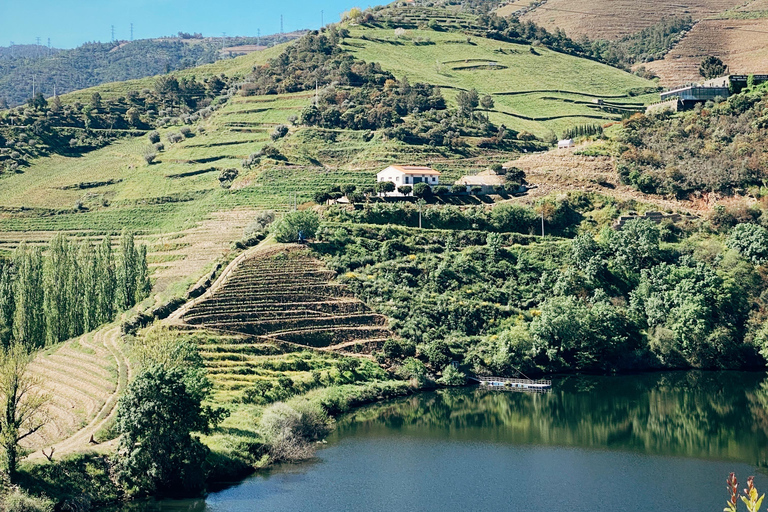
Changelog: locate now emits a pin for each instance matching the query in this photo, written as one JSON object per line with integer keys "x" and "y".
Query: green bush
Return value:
{"x": 452, "y": 377}
{"x": 294, "y": 224}
{"x": 16, "y": 500}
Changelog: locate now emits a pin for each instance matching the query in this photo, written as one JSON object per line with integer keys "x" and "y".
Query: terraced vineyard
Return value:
{"x": 84, "y": 377}
{"x": 283, "y": 294}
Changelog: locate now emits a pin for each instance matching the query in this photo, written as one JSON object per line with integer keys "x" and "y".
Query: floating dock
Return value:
{"x": 506, "y": 384}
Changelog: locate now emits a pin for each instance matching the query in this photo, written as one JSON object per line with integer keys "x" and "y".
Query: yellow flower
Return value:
{"x": 412, "y": 257}
{"x": 349, "y": 275}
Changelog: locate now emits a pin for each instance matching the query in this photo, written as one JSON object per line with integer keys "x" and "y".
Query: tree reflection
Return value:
{"x": 720, "y": 415}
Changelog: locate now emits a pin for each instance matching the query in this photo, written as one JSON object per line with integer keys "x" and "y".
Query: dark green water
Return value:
{"x": 652, "y": 442}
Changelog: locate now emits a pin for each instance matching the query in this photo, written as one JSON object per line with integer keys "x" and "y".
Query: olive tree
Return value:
{"x": 297, "y": 225}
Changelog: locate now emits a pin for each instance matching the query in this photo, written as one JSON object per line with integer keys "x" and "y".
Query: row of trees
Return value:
{"x": 70, "y": 290}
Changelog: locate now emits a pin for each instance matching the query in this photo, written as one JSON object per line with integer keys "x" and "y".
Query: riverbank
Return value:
{"x": 85, "y": 481}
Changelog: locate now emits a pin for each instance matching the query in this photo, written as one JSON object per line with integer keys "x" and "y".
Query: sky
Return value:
{"x": 69, "y": 23}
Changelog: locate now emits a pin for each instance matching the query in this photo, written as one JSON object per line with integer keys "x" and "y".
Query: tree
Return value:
{"x": 404, "y": 189}
{"x": 751, "y": 241}
{"x": 132, "y": 118}
{"x": 7, "y": 305}
{"x": 156, "y": 417}
{"x": 37, "y": 101}
{"x": 28, "y": 320}
{"x": 22, "y": 404}
{"x": 348, "y": 188}
{"x": 96, "y": 101}
{"x": 467, "y": 101}
{"x": 712, "y": 67}
{"x": 422, "y": 190}
{"x": 385, "y": 187}
{"x": 106, "y": 284}
{"x": 297, "y": 225}
{"x": 487, "y": 102}
{"x": 3, "y": 103}
{"x": 149, "y": 155}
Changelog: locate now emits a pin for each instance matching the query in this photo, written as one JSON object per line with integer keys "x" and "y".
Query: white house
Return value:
{"x": 567, "y": 143}
{"x": 408, "y": 175}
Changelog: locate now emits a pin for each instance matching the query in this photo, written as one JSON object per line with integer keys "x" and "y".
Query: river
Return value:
{"x": 649, "y": 442}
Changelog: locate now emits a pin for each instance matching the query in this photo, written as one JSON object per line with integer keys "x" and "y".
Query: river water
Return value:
{"x": 651, "y": 442}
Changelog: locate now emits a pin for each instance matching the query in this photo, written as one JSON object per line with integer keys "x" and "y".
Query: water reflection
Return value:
{"x": 711, "y": 415}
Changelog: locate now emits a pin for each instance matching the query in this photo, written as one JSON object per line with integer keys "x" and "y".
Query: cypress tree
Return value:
{"x": 105, "y": 286}
{"x": 28, "y": 320}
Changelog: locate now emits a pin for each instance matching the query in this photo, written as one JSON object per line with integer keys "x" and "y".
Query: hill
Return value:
{"x": 109, "y": 186}
{"x": 62, "y": 71}
{"x": 612, "y": 20}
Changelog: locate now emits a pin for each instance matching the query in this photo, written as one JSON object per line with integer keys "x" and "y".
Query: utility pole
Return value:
{"x": 322, "y": 18}
{"x": 131, "y": 31}
{"x": 33, "y": 86}
{"x": 542, "y": 223}
{"x": 113, "y": 33}
{"x": 281, "y": 24}
{"x": 317, "y": 91}
{"x": 258, "y": 37}
{"x": 421, "y": 203}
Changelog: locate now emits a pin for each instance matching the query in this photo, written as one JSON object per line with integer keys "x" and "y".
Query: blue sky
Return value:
{"x": 69, "y": 23}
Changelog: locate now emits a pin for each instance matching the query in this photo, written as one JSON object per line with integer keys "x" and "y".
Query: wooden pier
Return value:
{"x": 507, "y": 384}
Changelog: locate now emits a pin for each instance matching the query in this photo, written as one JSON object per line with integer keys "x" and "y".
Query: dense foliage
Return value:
{"x": 621, "y": 300}
{"x": 716, "y": 147}
{"x": 71, "y": 290}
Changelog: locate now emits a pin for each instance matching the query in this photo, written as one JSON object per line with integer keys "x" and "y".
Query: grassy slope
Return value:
{"x": 522, "y": 72}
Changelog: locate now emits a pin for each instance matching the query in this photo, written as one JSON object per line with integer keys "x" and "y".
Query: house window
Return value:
{"x": 397, "y": 178}
{"x": 406, "y": 179}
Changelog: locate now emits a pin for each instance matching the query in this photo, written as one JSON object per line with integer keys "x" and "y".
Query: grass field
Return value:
{"x": 551, "y": 91}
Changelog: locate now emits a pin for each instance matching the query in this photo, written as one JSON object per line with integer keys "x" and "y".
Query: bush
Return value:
{"x": 297, "y": 224}
{"x": 347, "y": 189}
{"x": 452, "y": 377}
{"x": 441, "y": 190}
{"x": 173, "y": 138}
{"x": 279, "y": 132}
{"x": 290, "y": 430}
{"x": 149, "y": 155}
{"x": 154, "y": 137}
{"x": 186, "y": 131}
{"x": 422, "y": 190}
{"x": 19, "y": 501}
{"x": 260, "y": 223}
{"x": 458, "y": 188}
{"x": 226, "y": 177}
{"x": 476, "y": 190}
{"x": 404, "y": 189}
{"x": 159, "y": 146}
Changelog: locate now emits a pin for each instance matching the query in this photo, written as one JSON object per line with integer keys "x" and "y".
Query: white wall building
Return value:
{"x": 408, "y": 175}
{"x": 564, "y": 144}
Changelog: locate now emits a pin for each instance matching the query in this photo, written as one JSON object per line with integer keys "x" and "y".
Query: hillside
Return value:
{"x": 96, "y": 63}
{"x": 543, "y": 92}
{"x": 610, "y": 19}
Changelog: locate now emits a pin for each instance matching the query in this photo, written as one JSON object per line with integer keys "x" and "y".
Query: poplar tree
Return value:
{"x": 105, "y": 286}
{"x": 143, "y": 283}
{"x": 125, "y": 294}
{"x": 6, "y": 305}
{"x": 28, "y": 319}
{"x": 54, "y": 289}
{"x": 89, "y": 281}
{"x": 71, "y": 278}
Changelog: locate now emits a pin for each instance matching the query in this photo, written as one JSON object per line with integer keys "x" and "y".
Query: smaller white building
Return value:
{"x": 566, "y": 143}
{"x": 408, "y": 175}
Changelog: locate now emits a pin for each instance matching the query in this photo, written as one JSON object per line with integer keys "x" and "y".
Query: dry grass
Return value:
{"x": 741, "y": 43}
{"x": 613, "y": 19}
{"x": 561, "y": 170}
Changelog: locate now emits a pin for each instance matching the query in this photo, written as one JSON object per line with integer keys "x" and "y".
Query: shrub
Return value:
{"x": 173, "y": 138}
{"x": 279, "y": 132}
{"x": 296, "y": 224}
{"x": 227, "y": 176}
{"x": 19, "y": 501}
{"x": 159, "y": 147}
{"x": 404, "y": 189}
{"x": 441, "y": 190}
{"x": 422, "y": 190}
{"x": 476, "y": 190}
{"x": 458, "y": 188}
{"x": 452, "y": 377}
{"x": 186, "y": 131}
{"x": 290, "y": 430}
{"x": 347, "y": 188}
{"x": 149, "y": 155}
{"x": 260, "y": 223}
{"x": 154, "y": 137}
